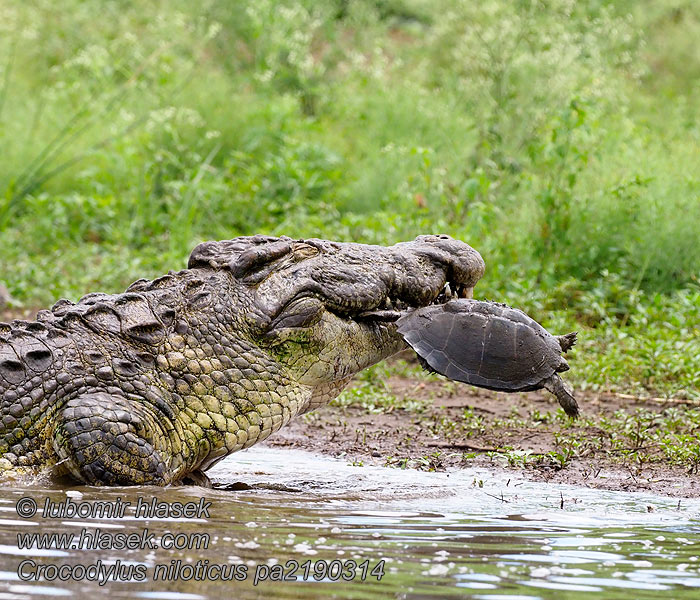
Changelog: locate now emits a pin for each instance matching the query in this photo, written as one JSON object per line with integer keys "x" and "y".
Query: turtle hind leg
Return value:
{"x": 424, "y": 363}
{"x": 567, "y": 341}
{"x": 565, "y": 395}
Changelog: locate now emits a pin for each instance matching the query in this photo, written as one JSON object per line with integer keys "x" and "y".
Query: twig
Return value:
{"x": 462, "y": 445}
{"x": 501, "y": 498}
{"x": 655, "y": 399}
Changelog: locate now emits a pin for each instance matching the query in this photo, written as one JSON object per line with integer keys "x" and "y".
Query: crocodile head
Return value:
{"x": 326, "y": 310}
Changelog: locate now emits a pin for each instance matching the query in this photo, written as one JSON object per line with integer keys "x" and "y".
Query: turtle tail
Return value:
{"x": 565, "y": 395}
{"x": 567, "y": 341}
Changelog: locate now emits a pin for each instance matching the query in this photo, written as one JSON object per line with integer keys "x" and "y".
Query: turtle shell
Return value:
{"x": 486, "y": 344}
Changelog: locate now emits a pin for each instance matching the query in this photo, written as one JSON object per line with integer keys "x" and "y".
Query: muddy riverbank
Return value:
{"x": 620, "y": 442}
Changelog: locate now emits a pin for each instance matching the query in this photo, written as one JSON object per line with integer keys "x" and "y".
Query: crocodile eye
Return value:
{"x": 303, "y": 312}
{"x": 294, "y": 323}
{"x": 302, "y": 250}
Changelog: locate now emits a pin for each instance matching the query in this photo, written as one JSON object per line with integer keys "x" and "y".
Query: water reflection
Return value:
{"x": 349, "y": 532}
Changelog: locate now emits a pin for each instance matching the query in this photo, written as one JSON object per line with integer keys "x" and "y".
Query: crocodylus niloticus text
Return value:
{"x": 158, "y": 383}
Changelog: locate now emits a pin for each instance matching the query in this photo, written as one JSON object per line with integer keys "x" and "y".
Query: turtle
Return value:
{"x": 490, "y": 345}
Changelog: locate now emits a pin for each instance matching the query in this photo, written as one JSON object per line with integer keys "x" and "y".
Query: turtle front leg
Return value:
{"x": 103, "y": 439}
{"x": 565, "y": 395}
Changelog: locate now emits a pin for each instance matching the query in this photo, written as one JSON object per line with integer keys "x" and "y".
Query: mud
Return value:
{"x": 432, "y": 439}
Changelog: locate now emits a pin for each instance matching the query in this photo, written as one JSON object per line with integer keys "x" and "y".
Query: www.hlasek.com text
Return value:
{"x": 98, "y": 539}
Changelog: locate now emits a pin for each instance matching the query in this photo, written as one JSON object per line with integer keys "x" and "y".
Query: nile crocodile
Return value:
{"x": 155, "y": 385}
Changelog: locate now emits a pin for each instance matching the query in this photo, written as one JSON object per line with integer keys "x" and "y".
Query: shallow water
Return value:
{"x": 470, "y": 534}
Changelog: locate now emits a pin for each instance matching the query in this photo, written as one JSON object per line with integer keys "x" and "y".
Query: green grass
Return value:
{"x": 559, "y": 138}
{"x": 633, "y": 439}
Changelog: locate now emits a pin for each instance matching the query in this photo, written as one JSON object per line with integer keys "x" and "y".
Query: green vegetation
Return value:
{"x": 632, "y": 439}
{"x": 664, "y": 433}
{"x": 558, "y": 137}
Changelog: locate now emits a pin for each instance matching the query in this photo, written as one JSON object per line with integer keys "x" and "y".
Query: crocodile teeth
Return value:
{"x": 464, "y": 292}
